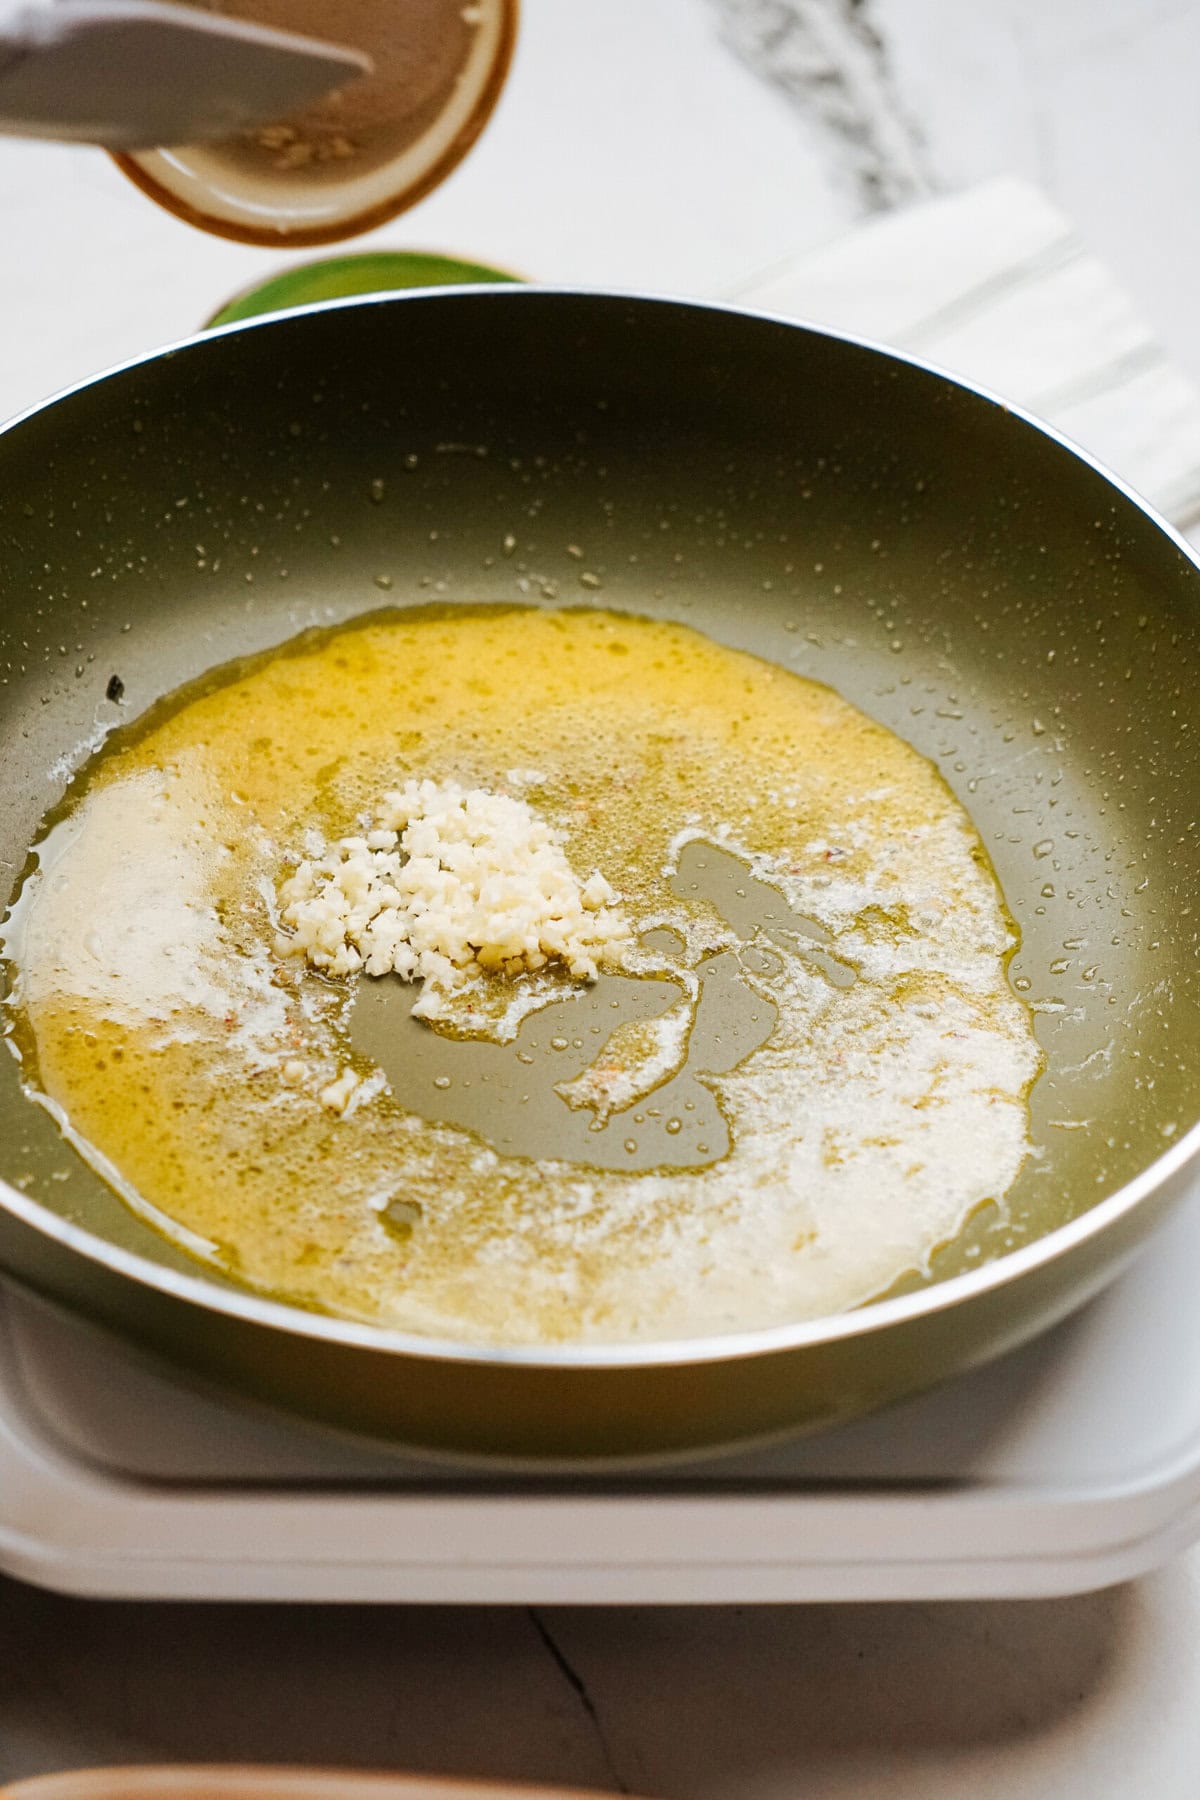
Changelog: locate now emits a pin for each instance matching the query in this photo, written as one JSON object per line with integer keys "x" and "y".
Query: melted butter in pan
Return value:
{"x": 805, "y": 1079}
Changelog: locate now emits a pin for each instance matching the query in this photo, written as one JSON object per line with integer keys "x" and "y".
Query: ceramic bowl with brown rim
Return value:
{"x": 363, "y": 153}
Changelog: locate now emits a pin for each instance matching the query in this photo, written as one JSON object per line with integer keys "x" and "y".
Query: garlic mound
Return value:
{"x": 446, "y": 884}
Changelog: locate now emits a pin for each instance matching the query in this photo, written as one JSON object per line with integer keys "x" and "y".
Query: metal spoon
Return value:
{"x": 131, "y": 74}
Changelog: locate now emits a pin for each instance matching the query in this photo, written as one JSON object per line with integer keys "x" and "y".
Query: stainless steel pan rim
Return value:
{"x": 861, "y": 1322}
{"x": 873, "y": 1316}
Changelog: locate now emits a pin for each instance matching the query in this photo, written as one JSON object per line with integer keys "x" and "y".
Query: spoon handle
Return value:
{"x": 132, "y": 74}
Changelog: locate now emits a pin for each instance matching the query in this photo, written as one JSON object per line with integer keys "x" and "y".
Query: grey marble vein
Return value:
{"x": 832, "y": 63}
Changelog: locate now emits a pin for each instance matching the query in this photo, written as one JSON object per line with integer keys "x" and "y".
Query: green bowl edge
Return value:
{"x": 363, "y": 272}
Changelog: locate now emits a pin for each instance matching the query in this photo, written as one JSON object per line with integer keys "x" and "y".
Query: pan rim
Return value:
{"x": 872, "y": 1315}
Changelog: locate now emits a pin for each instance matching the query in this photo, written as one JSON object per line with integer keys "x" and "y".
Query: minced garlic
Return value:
{"x": 336, "y": 1096}
{"x": 448, "y": 883}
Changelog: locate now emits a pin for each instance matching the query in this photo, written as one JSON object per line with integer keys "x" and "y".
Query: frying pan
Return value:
{"x": 950, "y": 567}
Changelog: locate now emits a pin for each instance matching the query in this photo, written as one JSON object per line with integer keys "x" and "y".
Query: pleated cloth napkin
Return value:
{"x": 994, "y": 285}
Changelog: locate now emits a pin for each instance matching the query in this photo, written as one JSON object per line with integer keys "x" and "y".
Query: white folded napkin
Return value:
{"x": 994, "y": 285}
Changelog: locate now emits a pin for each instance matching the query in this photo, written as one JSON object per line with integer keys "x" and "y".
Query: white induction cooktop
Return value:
{"x": 1068, "y": 1465}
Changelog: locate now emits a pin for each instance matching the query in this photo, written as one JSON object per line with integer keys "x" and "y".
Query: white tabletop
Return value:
{"x": 633, "y": 147}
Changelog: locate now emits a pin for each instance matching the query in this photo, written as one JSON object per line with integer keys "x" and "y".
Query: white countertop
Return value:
{"x": 1084, "y": 1699}
{"x": 633, "y": 147}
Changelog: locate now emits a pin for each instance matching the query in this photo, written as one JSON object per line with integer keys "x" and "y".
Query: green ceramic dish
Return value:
{"x": 368, "y": 272}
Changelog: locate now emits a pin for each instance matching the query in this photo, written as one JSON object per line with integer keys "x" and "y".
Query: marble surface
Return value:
{"x": 671, "y": 144}
{"x": 1084, "y": 1699}
{"x": 679, "y": 145}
